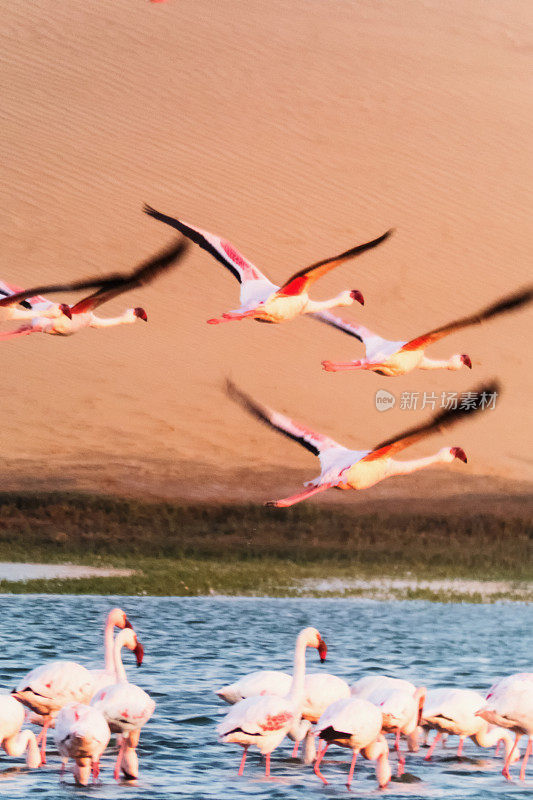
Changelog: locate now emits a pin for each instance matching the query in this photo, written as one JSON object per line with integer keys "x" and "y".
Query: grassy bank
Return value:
{"x": 189, "y": 550}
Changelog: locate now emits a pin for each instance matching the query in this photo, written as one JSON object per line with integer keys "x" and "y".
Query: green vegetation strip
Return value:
{"x": 252, "y": 550}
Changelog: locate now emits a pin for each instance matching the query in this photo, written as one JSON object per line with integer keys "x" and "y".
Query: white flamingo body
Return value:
{"x": 46, "y": 689}
{"x": 265, "y": 681}
{"x": 342, "y": 468}
{"x": 393, "y": 358}
{"x": 455, "y": 711}
{"x": 125, "y": 706}
{"x": 266, "y": 719}
{"x": 355, "y": 723}
{"x": 13, "y": 739}
{"x": 380, "y": 683}
{"x": 82, "y": 734}
{"x": 30, "y": 308}
{"x": 509, "y": 704}
{"x": 260, "y": 298}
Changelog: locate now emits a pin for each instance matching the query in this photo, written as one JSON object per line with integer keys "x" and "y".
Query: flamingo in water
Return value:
{"x": 390, "y": 358}
{"x": 81, "y": 733}
{"x": 454, "y": 711}
{"x": 260, "y": 298}
{"x": 264, "y": 720}
{"x": 358, "y": 469}
{"x": 49, "y": 687}
{"x": 400, "y": 702}
{"x": 509, "y": 704}
{"x": 355, "y": 723}
{"x": 13, "y": 739}
{"x": 125, "y": 706}
{"x": 64, "y": 320}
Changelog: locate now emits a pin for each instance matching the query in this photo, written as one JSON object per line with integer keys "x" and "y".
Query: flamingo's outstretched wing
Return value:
{"x": 314, "y": 442}
{"x": 223, "y": 251}
{"x": 9, "y": 294}
{"x": 508, "y": 303}
{"x": 357, "y": 331}
{"x": 108, "y": 285}
{"x": 437, "y": 422}
{"x": 302, "y": 280}
{"x": 142, "y": 275}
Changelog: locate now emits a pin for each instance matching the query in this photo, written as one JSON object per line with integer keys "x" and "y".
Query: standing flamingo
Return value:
{"x": 81, "y": 733}
{"x": 401, "y": 704}
{"x": 509, "y": 704}
{"x": 75, "y": 318}
{"x": 125, "y": 706}
{"x": 391, "y": 358}
{"x": 265, "y": 720}
{"x": 358, "y": 469}
{"x": 13, "y": 739}
{"x": 454, "y": 711}
{"x": 116, "y": 618}
{"x": 260, "y": 298}
{"x": 355, "y": 723}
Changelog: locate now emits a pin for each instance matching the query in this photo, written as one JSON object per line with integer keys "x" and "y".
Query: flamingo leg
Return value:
{"x": 339, "y": 366}
{"x": 352, "y": 767}
{"x": 243, "y": 759}
{"x": 42, "y": 737}
{"x": 432, "y": 747}
{"x": 498, "y": 743}
{"x": 460, "y": 748}
{"x": 524, "y": 762}
{"x": 232, "y": 316}
{"x": 23, "y": 331}
{"x": 295, "y": 749}
{"x": 505, "y": 770}
{"x": 267, "y": 766}
{"x": 297, "y": 498}
{"x": 116, "y": 772}
{"x": 319, "y": 758}
{"x": 401, "y": 758}
{"x": 95, "y": 768}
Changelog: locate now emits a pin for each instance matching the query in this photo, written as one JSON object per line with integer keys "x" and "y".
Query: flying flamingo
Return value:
{"x": 79, "y": 316}
{"x": 125, "y": 706}
{"x": 391, "y": 359}
{"x": 31, "y": 307}
{"x": 454, "y": 711}
{"x": 81, "y": 733}
{"x": 266, "y": 719}
{"x": 358, "y": 469}
{"x": 509, "y": 704}
{"x": 401, "y": 703}
{"x": 355, "y": 723}
{"x": 14, "y": 740}
{"x": 260, "y": 298}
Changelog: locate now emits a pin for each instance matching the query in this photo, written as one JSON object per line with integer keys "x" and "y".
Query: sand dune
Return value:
{"x": 295, "y": 129}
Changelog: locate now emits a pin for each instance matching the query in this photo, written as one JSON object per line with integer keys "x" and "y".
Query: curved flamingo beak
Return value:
{"x": 139, "y": 653}
{"x": 322, "y": 650}
{"x": 66, "y": 310}
{"x": 355, "y": 294}
{"x": 141, "y": 313}
{"x": 128, "y": 624}
{"x": 466, "y": 361}
{"x": 459, "y": 453}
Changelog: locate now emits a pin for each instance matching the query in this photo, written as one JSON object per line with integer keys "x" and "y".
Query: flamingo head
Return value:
{"x": 458, "y": 452}
{"x": 322, "y": 650}
{"x": 141, "y": 313}
{"x": 139, "y": 653}
{"x": 355, "y": 294}
{"x": 117, "y": 617}
{"x": 465, "y": 359}
{"x": 128, "y": 638}
{"x": 65, "y": 309}
{"x": 310, "y": 637}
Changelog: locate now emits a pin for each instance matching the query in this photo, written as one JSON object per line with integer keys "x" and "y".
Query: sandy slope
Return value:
{"x": 295, "y": 128}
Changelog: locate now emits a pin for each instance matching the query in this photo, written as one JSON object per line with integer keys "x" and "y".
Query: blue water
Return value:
{"x": 193, "y": 645}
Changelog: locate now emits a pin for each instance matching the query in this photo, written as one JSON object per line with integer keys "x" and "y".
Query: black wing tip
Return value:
{"x": 150, "y": 210}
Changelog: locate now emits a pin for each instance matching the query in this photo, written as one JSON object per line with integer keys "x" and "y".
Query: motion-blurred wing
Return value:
{"x": 9, "y": 293}
{"x": 512, "y": 301}
{"x": 314, "y": 442}
{"x": 302, "y": 280}
{"x": 223, "y": 251}
{"x": 438, "y": 422}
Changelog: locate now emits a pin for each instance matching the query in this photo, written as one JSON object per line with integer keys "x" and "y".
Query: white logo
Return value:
{"x": 384, "y": 400}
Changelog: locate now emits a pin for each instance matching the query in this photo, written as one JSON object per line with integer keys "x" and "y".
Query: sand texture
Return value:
{"x": 296, "y": 129}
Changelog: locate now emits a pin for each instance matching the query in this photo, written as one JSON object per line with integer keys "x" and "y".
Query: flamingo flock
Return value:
{"x": 86, "y": 706}
{"x": 268, "y": 706}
